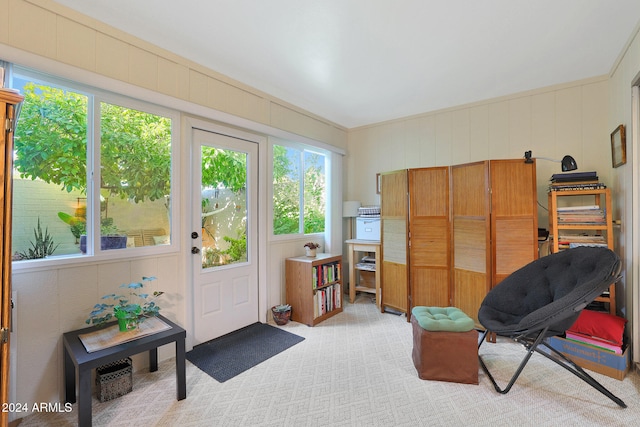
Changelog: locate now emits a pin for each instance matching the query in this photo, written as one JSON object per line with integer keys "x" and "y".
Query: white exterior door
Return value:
{"x": 224, "y": 234}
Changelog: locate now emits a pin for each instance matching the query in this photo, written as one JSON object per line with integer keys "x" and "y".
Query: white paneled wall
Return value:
{"x": 625, "y": 74}
{"x": 56, "y": 300}
{"x": 552, "y": 122}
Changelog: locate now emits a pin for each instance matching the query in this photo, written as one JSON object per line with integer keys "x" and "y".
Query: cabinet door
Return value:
{"x": 393, "y": 213}
{"x": 471, "y": 224}
{"x": 514, "y": 216}
{"x": 429, "y": 231}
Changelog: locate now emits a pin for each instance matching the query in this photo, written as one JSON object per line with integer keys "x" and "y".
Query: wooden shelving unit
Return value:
{"x": 603, "y": 229}
{"x": 314, "y": 287}
{"x": 371, "y": 248}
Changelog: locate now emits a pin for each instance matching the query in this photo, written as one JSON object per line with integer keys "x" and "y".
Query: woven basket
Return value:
{"x": 114, "y": 379}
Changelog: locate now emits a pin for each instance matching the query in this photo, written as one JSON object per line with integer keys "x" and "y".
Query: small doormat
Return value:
{"x": 229, "y": 355}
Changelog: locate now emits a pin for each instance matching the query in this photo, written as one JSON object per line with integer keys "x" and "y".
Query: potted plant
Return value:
{"x": 110, "y": 236}
{"x": 42, "y": 247}
{"x": 130, "y": 310}
{"x": 281, "y": 313}
{"x": 310, "y": 248}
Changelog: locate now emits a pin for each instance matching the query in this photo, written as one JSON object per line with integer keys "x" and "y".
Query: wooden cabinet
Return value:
{"x": 590, "y": 224}
{"x": 8, "y": 102}
{"x": 314, "y": 287}
{"x": 449, "y": 234}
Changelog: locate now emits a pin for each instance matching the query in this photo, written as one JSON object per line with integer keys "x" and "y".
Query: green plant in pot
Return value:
{"x": 43, "y": 245}
{"x": 281, "y": 313}
{"x": 130, "y": 310}
{"x": 310, "y": 248}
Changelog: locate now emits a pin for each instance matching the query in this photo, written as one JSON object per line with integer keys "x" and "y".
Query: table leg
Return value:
{"x": 352, "y": 275}
{"x": 181, "y": 372}
{"x": 84, "y": 398}
{"x": 69, "y": 378}
{"x": 153, "y": 359}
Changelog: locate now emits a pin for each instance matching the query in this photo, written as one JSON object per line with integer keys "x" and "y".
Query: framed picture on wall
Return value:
{"x": 618, "y": 147}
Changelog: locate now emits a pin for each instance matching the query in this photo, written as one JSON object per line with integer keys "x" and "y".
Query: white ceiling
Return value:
{"x": 357, "y": 62}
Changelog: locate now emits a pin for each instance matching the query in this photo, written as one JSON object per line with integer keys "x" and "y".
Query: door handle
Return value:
{"x": 195, "y": 250}
{"x": 194, "y": 235}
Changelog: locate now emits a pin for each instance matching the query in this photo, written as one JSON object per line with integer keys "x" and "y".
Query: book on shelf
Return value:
{"x": 571, "y": 187}
{"x": 326, "y": 300}
{"x": 574, "y": 176}
{"x": 578, "y": 208}
{"x": 592, "y": 341}
{"x": 593, "y": 245}
{"x": 581, "y": 215}
{"x": 366, "y": 266}
{"x": 585, "y": 238}
{"x": 583, "y": 182}
{"x": 325, "y": 274}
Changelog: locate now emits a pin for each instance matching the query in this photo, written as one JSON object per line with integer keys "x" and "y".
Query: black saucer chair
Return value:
{"x": 544, "y": 299}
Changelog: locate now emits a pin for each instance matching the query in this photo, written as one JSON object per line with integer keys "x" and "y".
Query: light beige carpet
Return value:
{"x": 355, "y": 369}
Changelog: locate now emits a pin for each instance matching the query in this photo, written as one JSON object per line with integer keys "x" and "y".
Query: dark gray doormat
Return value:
{"x": 229, "y": 355}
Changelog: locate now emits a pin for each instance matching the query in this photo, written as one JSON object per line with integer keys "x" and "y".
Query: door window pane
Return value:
{"x": 224, "y": 207}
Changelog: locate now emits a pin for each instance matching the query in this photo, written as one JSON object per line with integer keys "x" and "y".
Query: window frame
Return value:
{"x": 95, "y": 96}
{"x": 327, "y": 166}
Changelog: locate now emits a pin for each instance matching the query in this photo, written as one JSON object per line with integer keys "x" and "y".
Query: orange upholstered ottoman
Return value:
{"x": 445, "y": 345}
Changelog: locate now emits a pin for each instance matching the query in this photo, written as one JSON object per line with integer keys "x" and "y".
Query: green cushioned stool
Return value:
{"x": 445, "y": 345}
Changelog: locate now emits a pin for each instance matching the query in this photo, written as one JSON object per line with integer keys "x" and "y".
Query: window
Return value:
{"x": 299, "y": 190}
{"x": 87, "y": 170}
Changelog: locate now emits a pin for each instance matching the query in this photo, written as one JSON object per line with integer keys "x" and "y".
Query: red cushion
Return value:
{"x": 599, "y": 324}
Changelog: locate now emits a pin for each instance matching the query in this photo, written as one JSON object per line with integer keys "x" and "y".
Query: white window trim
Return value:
{"x": 97, "y": 95}
{"x": 328, "y": 211}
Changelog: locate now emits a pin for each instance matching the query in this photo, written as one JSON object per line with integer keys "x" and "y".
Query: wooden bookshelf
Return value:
{"x": 594, "y": 229}
{"x": 314, "y": 287}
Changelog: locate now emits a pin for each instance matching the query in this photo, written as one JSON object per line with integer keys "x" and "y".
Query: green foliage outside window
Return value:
{"x": 135, "y": 157}
{"x": 286, "y": 191}
{"x": 51, "y": 144}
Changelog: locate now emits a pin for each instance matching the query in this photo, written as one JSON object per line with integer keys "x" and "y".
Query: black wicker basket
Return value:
{"x": 114, "y": 379}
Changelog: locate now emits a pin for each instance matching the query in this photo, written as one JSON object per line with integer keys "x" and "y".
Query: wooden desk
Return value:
{"x": 373, "y": 246}
{"x": 78, "y": 363}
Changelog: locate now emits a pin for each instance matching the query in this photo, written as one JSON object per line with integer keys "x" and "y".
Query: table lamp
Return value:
{"x": 350, "y": 210}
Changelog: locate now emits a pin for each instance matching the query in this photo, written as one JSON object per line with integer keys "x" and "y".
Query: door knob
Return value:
{"x": 194, "y": 235}
{"x": 195, "y": 250}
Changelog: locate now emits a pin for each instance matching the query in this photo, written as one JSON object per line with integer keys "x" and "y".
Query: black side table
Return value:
{"x": 78, "y": 363}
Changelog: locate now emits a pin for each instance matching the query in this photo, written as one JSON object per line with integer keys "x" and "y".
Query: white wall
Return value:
{"x": 55, "y": 300}
{"x": 623, "y": 76}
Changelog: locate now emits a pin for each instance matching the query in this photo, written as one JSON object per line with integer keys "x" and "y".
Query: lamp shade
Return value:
{"x": 350, "y": 208}
{"x": 569, "y": 164}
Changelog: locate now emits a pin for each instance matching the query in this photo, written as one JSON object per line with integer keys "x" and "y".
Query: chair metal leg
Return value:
{"x": 553, "y": 355}
{"x": 576, "y": 370}
{"x": 518, "y": 371}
